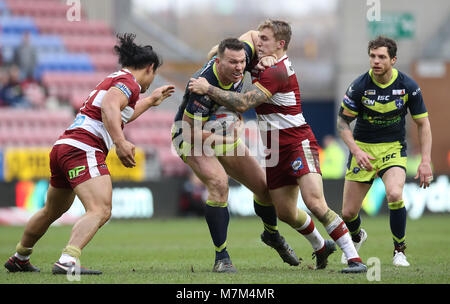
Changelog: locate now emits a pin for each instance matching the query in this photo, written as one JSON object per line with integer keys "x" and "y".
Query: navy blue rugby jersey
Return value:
{"x": 201, "y": 106}
{"x": 381, "y": 108}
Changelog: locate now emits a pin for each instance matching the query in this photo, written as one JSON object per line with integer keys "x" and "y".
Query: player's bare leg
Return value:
{"x": 96, "y": 197}
{"x": 58, "y": 202}
{"x": 246, "y": 170}
{"x": 285, "y": 200}
{"x": 394, "y": 181}
{"x": 354, "y": 193}
{"x": 212, "y": 174}
{"x": 312, "y": 192}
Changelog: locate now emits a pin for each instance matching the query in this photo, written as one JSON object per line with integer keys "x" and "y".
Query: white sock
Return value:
{"x": 339, "y": 233}
{"x": 65, "y": 258}
{"x": 310, "y": 232}
{"x": 22, "y": 257}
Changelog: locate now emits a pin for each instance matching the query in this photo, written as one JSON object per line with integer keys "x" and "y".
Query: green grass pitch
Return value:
{"x": 179, "y": 251}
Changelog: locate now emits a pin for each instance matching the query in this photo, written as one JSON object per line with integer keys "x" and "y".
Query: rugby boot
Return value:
{"x": 285, "y": 251}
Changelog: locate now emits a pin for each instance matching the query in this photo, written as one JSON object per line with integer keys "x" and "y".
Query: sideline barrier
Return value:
{"x": 145, "y": 200}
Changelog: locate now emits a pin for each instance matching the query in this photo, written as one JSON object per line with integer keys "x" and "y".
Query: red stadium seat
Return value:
{"x": 41, "y": 8}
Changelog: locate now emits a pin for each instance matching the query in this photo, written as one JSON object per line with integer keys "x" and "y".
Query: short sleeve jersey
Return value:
{"x": 283, "y": 112}
{"x": 88, "y": 127}
{"x": 381, "y": 108}
{"x": 201, "y": 106}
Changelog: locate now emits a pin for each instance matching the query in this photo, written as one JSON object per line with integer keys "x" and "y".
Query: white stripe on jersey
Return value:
{"x": 126, "y": 114}
{"x": 280, "y": 121}
{"x": 93, "y": 126}
{"x": 284, "y": 99}
{"x": 76, "y": 144}
{"x": 98, "y": 99}
{"x": 308, "y": 155}
{"x": 288, "y": 65}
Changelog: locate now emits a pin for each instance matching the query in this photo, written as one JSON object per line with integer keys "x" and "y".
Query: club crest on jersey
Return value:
{"x": 297, "y": 164}
{"x": 399, "y": 103}
{"x": 356, "y": 170}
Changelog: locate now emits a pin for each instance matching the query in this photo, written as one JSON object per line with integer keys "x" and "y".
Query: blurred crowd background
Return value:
{"x": 54, "y": 52}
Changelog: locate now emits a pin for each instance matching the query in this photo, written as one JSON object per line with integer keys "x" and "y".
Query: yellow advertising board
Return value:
{"x": 26, "y": 163}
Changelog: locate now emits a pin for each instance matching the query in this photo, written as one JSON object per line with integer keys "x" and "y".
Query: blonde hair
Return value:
{"x": 281, "y": 30}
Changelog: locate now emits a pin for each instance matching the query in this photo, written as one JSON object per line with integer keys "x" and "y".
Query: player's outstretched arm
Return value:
{"x": 424, "y": 171}
{"x": 155, "y": 99}
{"x": 238, "y": 102}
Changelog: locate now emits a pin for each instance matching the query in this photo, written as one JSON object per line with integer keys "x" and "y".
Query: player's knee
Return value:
{"x": 218, "y": 187}
{"x": 286, "y": 216}
{"x": 49, "y": 214}
{"x": 348, "y": 214}
{"x": 102, "y": 213}
{"x": 318, "y": 207}
{"x": 264, "y": 197}
{"x": 394, "y": 195}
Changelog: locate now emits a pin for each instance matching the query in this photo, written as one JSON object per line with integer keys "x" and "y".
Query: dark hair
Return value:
{"x": 231, "y": 44}
{"x": 135, "y": 56}
{"x": 381, "y": 41}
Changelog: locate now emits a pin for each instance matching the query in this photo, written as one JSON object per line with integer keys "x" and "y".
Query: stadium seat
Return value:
{"x": 63, "y": 62}
{"x": 104, "y": 62}
{"x": 89, "y": 44}
{"x": 48, "y": 8}
{"x": 17, "y": 25}
{"x": 32, "y": 127}
{"x": 64, "y": 27}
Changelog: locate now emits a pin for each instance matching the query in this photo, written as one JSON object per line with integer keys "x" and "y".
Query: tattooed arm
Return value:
{"x": 239, "y": 102}
{"x": 343, "y": 128}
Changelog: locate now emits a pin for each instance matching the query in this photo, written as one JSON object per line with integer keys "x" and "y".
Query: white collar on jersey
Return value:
{"x": 128, "y": 71}
{"x": 282, "y": 58}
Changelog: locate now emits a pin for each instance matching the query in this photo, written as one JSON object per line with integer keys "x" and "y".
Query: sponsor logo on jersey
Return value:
{"x": 383, "y": 97}
{"x": 370, "y": 92}
{"x": 416, "y": 92}
{"x": 297, "y": 164}
{"x": 348, "y": 101}
{"x": 200, "y": 105}
{"x": 75, "y": 172}
{"x": 399, "y": 92}
{"x": 368, "y": 102}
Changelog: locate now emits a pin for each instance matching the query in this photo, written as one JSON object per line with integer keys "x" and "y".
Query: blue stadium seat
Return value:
{"x": 3, "y": 8}
{"x": 43, "y": 44}
{"x": 63, "y": 62}
{"x": 17, "y": 25}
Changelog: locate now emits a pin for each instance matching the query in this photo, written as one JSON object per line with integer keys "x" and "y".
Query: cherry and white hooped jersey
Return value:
{"x": 87, "y": 132}
{"x": 283, "y": 112}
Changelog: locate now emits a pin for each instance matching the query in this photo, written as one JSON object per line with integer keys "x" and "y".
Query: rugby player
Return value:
{"x": 77, "y": 159}
{"x": 275, "y": 95}
{"x": 379, "y": 100}
{"x": 226, "y": 70}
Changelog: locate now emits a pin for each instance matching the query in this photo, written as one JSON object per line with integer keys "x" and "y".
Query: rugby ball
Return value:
{"x": 223, "y": 121}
